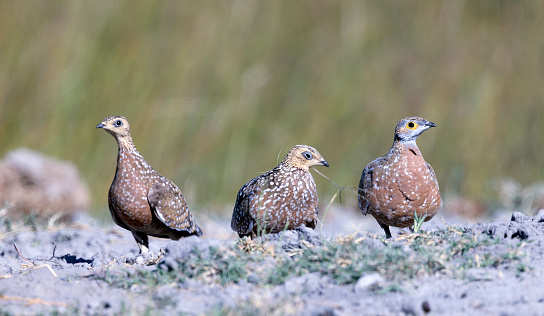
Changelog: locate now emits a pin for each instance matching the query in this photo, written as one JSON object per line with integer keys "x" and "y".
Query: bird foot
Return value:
{"x": 148, "y": 258}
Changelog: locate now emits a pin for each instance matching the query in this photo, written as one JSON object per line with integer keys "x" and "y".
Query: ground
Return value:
{"x": 346, "y": 268}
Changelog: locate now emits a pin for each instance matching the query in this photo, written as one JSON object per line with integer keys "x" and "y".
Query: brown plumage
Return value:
{"x": 282, "y": 198}
{"x": 400, "y": 183}
{"x": 140, "y": 199}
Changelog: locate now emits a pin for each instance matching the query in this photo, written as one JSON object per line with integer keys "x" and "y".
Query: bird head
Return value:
{"x": 408, "y": 129}
{"x": 116, "y": 126}
{"x": 304, "y": 157}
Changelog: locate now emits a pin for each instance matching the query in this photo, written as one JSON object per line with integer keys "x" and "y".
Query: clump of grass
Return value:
{"x": 449, "y": 251}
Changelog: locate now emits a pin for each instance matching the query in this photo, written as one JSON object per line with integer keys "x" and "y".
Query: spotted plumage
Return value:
{"x": 140, "y": 199}
{"x": 282, "y": 198}
{"x": 400, "y": 183}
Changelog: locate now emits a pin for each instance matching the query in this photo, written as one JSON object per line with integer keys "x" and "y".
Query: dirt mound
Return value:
{"x": 31, "y": 183}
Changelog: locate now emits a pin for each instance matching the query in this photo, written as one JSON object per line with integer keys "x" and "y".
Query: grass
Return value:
{"x": 418, "y": 221}
{"x": 344, "y": 260}
{"x": 213, "y": 92}
{"x": 32, "y": 222}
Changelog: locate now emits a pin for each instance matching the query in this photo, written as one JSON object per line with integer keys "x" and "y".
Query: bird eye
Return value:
{"x": 411, "y": 125}
{"x": 308, "y": 155}
{"x": 118, "y": 123}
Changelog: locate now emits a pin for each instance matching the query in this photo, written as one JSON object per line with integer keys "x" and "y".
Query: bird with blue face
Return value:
{"x": 395, "y": 187}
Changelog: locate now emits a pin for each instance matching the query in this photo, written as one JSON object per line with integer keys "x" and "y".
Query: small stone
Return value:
{"x": 539, "y": 217}
{"x": 426, "y": 307}
{"x": 520, "y": 217}
{"x": 140, "y": 260}
{"x": 369, "y": 281}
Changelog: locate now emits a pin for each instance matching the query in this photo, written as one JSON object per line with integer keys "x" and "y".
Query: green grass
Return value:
{"x": 449, "y": 252}
{"x": 214, "y": 92}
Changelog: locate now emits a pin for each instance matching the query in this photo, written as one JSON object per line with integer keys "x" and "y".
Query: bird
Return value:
{"x": 401, "y": 183}
{"x": 283, "y": 198}
{"x": 140, "y": 199}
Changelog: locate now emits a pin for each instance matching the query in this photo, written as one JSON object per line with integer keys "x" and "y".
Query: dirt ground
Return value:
{"x": 86, "y": 268}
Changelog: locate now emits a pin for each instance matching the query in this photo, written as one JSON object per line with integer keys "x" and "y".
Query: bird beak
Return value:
{"x": 324, "y": 163}
{"x": 431, "y": 124}
{"x": 101, "y": 125}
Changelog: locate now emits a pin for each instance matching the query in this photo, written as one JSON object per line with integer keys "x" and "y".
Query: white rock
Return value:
{"x": 368, "y": 282}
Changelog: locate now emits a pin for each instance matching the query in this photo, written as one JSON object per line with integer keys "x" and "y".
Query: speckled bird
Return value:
{"x": 282, "y": 198}
{"x": 400, "y": 183}
{"x": 140, "y": 199}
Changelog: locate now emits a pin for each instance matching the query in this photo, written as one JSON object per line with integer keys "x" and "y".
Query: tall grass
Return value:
{"x": 215, "y": 90}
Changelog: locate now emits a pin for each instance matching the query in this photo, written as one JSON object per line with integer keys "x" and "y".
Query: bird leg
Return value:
{"x": 387, "y": 231}
{"x": 142, "y": 241}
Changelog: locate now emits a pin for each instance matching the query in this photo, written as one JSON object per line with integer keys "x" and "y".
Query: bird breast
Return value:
{"x": 286, "y": 197}
{"x": 128, "y": 192}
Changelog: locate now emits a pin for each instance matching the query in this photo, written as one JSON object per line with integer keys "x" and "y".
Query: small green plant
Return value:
{"x": 418, "y": 221}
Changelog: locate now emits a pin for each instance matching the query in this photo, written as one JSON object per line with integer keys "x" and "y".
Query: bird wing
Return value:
{"x": 366, "y": 185}
{"x": 243, "y": 220}
{"x": 169, "y": 206}
{"x": 432, "y": 173}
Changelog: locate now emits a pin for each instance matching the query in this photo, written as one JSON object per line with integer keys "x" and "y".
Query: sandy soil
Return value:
{"x": 68, "y": 270}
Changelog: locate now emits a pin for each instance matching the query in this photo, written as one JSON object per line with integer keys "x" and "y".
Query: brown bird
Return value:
{"x": 400, "y": 183}
{"x": 282, "y": 198}
{"x": 140, "y": 199}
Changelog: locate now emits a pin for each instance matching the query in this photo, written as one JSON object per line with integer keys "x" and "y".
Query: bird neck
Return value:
{"x": 400, "y": 146}
{"x": 126, "y": 157}
{"x": 288, "y": 164}
{"x": 125, "y": 143}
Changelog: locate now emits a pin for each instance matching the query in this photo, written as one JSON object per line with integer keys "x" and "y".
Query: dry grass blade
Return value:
{"x": 39, "y": 267}
{"x": 337, "y": 194}
{"x": 349, "y": 189}
{"x": 21, "y": 255}
{"x": 31, "y": 301}
{"x": 32, "y": 264}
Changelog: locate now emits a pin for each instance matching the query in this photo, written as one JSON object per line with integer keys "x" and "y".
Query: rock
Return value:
{"x": 308, "y": 234}
{"x": 292, "y": 238}
{"x": 368, "y": 282}
{"x": 539, "y": 217}
{"x": 520, "y": 218}
{"x": 32, "y": 183}
{"x": 426, "y": 307}
{"x": 498, "y": 231}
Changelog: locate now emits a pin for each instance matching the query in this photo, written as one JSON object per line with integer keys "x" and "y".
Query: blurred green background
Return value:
{"x": 216, "y": 90}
